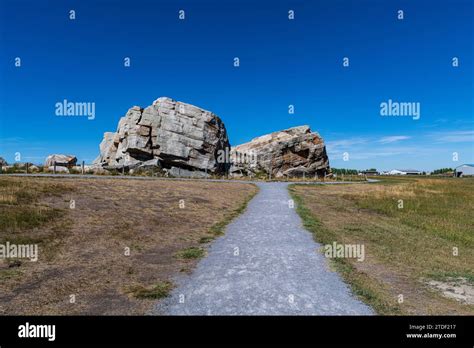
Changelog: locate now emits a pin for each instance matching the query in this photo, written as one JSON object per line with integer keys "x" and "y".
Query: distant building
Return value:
{"x": 404, "y": 172}
{"x": 464, "y": 170}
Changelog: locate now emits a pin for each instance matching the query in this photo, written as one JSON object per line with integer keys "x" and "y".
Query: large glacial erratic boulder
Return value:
{"x": 293, "y": 152}
{"x": 172, "y": 133}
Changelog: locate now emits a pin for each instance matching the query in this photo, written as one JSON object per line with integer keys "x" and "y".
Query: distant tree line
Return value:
{"x": 442, "y": 171}
{"x": 344, "y": 171}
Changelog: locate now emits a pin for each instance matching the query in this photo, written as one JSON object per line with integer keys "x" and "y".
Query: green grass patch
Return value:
{"x": 19, "y": 207}
{"x": 9, "y": 273}
{"x": 207, "y": 239}
{"x": 15, "y": 218}
{"x": 157, "y": 291}
{"x": 441, "y": 207}
{"x": 22, "y": 213}
{"x": 444, "y": 276}
{"x": 190, "y": 253}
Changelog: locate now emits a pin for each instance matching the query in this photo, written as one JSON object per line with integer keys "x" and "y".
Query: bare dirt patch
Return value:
{"x": 83, "y": 251}
{"x": 456, "y": 288}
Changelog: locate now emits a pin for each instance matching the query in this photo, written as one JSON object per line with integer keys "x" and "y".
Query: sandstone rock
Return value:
{"x": 59, "y": 169}
{"x": 60, "y": 161}
{"x": 106, "y": 148}
{"x": 293, "y": 152}
{"x": 97, "y": 170}
{"x": 150, "y": 167}
{"x": 88, "y": 169}
{"x": 150, "y": 164}
{"x": 171, "y": 133}
{"x": 184, "y": 173}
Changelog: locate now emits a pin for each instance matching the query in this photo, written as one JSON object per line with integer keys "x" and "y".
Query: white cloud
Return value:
{"x": 345, "y": 143}
{"x": 454, "y": 137}
{"x": 392, "y": 139}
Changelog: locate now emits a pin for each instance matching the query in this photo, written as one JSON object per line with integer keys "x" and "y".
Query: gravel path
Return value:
{"x": 265, "y": 264}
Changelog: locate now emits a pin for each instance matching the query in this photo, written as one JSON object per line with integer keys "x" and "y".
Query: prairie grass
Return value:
{"x": 117, "y": 247}
{"x": 442, "y": 207}
{"x": 20, "y": 208}
{"x": 413, "y": 229}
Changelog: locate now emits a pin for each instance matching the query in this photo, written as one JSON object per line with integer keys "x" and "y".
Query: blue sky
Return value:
{"x": 282, "y": 62}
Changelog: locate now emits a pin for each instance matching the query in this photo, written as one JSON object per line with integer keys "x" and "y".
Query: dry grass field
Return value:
{"x": 418, "y": 235}
{"x": 109, "y": 246}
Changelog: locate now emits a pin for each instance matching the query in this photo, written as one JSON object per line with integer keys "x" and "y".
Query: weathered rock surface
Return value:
{"x": 184, "y": 173}
{"x": 59, "y": 169}
{"x": 60, "y": 161}
{"x": 292, "y": 152}
{"x": 175, "y": 134}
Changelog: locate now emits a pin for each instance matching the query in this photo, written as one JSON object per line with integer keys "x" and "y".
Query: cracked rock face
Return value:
{"x": 292, "y": 152}
{"x": 176, "y": 134}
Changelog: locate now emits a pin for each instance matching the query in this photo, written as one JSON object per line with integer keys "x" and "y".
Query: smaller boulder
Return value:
{"x": 59, "y": 169}
{"x": 96, "y": 169}
{"x": 33, "y": 168}
{"x": 177, "y": 172}
{"x": 60, "y": 161}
